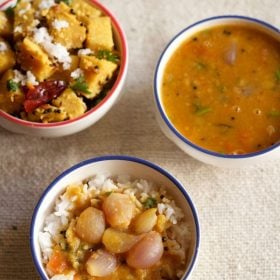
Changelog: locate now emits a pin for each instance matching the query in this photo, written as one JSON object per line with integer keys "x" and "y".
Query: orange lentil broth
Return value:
{"x": 221, "y": 89}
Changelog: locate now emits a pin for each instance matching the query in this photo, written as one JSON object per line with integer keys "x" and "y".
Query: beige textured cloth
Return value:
{"x": 238, "y": 209}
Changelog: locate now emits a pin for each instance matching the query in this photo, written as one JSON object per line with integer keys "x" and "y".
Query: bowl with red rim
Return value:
{"x": 94, "y": 114}
{"x": 6, "y": 4}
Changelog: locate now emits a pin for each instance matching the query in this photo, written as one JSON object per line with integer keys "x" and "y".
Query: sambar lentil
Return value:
{"x": 221, "y": 89}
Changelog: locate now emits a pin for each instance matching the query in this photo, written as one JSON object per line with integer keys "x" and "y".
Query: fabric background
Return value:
{"x": 238, "y": 209}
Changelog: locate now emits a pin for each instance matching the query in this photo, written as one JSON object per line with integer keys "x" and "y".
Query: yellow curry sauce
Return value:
{"x": 221, "y": 89}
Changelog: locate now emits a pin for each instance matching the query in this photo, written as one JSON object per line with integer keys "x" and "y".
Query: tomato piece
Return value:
{"x": 42, "y": 94}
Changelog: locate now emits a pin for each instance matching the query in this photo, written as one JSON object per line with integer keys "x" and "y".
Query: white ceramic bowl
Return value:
{"x": 6, "y": 4}
{"x": 64, "y": 128}
{"x": 113, "y": 165}
{"x": 166, "y": 125}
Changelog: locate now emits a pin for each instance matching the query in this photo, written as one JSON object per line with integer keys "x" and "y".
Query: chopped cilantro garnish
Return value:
{"x": 10, "y": 11}
{"x": 200, "y": 65}
{"x": 108, "y": 55}
{"x": 80, "y": 85}
{"x": 201, "y": 110}
{"x": 150, "y": 202}
{"x": 68, "y": 2}
{"x": 274, "y": 113}
{"x": 277, "y": 75}
{"x": 12, "y": 85}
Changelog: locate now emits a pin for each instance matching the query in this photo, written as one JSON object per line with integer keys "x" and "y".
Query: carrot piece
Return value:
{"x": 58, "y": 262}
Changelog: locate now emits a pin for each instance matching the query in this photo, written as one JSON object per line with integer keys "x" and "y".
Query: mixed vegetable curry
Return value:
{"x": 58, "y": 59}
{"x": 119, "y": 235}
{"x": 221, "y": 89}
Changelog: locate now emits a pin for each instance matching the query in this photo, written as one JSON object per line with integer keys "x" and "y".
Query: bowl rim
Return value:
{"x": 4, "y": 3}
{"x": 134, "y": 159}
{"x": 112, "y": 92}
{"x": 157, "y": 91}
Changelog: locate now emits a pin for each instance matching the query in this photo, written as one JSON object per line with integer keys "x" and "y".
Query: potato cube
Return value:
{"x": 85, "y": 12}
{"x": 96, "y": 72}
{"x": 7, "y": 57}
{"x": 10, "y": 100}
{"x": 65, "y": 28}
{"x": 100, "y": 35}
{"x": 70, "y": 103}
{"x": 5, "y": 25}
{"x": 33, "y": 58}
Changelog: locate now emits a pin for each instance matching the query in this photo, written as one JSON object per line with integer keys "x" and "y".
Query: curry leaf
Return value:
{"x": 201, "y": 110}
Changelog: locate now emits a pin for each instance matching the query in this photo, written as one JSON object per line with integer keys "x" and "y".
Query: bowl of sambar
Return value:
{"x": 217, "y": 90}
